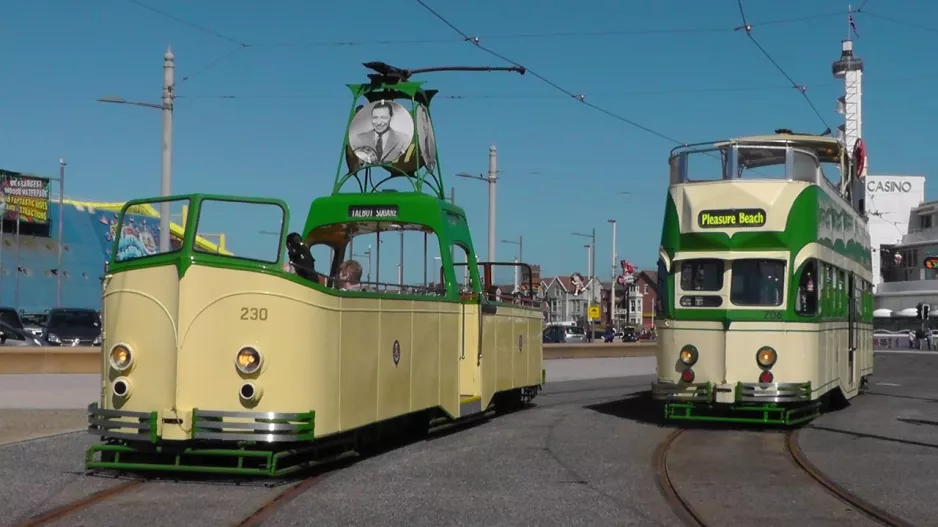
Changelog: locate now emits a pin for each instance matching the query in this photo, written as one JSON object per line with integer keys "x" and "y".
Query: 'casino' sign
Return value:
{"x": 731, "y": 218}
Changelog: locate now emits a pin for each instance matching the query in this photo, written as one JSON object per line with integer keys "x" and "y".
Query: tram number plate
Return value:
{"x": 253, "y": 313}
{"x": 773, "y": 315}
{"x": 372, "y": 211}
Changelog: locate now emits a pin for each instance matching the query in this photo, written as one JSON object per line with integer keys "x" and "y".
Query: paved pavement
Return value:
{"x": 581, "y": 456}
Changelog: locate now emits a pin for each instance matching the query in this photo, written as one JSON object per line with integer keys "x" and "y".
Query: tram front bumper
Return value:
{"x": 205, "y": 425}
{"x": 670, "y": 391}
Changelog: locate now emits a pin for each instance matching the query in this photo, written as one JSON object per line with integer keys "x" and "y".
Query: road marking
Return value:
{"x": 887, "y": 384}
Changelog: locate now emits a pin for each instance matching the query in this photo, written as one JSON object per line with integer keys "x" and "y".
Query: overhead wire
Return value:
{"x": 578, "y": 97}
{"x": 241, "y": 45}
{"x": 897, "y": 21}
{"x": 802, "y": 89}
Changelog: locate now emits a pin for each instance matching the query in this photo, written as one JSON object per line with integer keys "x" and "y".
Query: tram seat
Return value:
{"x": 301, "y": 258}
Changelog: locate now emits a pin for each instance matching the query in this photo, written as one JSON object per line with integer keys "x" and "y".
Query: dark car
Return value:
{"x": 72, "y": 327}
{"x": 11, "y": 336}
{"x": 11, "y": 317}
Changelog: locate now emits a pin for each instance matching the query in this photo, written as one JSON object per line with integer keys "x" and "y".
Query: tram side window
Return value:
{"x": 758, "y": 282}
{"x": 381, "y": 257}
{"x": 841, "y": 292}
{"x": 663, "y": 298}
{"x": 259, "y": 242}
{"x": 705, "y": 274}
{"x": 464, "y": 282}
{"x": 807, "y": 300}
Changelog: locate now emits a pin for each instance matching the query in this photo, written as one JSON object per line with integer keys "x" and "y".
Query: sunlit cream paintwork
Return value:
{"x": 806, "y": 352}
{"x": 150, "y": 295}
{"x": 321, "y": 352}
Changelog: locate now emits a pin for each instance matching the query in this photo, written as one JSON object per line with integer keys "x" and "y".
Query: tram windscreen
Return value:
{"x": 257, "y": 236}
{"x": 704, "y": 274}
{"x": 758, "y": 282}
{"x": 138, "y": 234}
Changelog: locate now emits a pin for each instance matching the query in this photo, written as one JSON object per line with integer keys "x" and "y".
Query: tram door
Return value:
{"x": 852, "y": 299}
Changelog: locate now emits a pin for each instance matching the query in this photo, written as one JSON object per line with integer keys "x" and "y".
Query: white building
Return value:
{"x": 889, "y": 203}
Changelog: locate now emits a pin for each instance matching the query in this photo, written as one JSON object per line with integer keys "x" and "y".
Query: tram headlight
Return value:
{"x": 689, "y": 355}
{"x": 248, "y": 360}
{"x": 120, "y": 357}
{"x": 766, "y": 357}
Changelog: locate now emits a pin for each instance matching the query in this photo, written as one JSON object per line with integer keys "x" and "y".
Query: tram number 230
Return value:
{"x": 253, "y": 313}
{"x": 769, "y": 315}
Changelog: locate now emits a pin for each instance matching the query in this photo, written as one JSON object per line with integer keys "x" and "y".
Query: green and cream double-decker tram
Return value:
{"x": 765, "y": 276}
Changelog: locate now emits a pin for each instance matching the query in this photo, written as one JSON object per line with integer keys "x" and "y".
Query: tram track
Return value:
{"x": 62, "y": 511}
{"x": 257, "y": 517}
{"x": 693, "y": 516}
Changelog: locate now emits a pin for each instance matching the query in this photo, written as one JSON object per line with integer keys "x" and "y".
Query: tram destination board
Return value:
{"x": 730, "y": 218}
{"x": 372, "y": 211}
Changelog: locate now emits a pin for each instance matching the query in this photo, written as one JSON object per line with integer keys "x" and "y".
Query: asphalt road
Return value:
{"x": 581, "y": 456}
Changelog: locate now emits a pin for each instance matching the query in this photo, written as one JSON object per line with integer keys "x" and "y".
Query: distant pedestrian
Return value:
{"x": 930, "y": 340}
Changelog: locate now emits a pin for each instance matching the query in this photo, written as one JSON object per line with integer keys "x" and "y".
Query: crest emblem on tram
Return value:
{"x": 396, "y": 352}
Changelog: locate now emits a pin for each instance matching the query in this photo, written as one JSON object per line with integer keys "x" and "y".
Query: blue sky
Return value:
{"x": 676, "y": 67}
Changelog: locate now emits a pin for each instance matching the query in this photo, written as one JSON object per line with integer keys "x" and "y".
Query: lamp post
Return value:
{"x": 169, "y": 95}
{"x": 520, "y": 244}
{"x": 492, "y": 179}
{"x": 590, "y": 269}
{"x": 612, "y": 284}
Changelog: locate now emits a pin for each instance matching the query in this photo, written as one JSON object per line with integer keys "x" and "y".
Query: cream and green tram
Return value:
{"x": 279, "y": 349}
{"x": 764, "y": 281}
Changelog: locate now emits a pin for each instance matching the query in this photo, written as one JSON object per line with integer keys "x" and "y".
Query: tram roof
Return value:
{"x": 388, "y": 206}
{"x": 828, "y": 149}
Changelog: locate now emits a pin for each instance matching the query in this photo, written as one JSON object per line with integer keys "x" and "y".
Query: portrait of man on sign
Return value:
{"x": 381, "y": 132}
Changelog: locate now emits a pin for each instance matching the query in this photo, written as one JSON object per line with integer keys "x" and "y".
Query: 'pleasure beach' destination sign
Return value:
{"x": 731, "y": 218}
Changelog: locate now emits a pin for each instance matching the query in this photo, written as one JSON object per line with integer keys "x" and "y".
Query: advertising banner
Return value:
{"x": 26, "y": 195}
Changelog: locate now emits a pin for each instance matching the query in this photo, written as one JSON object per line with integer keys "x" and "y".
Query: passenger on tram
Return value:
{"x": 350, "y": 276}
{"x": 300, "y": 257}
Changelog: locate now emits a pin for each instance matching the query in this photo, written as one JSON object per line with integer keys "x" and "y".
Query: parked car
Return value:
{"x": 72, "y": 327}
{"x": 34, "y": 322}
{"x": 11, "y": 336}
{"x": 11, "y": 317}
{"x": 558, "y": 333}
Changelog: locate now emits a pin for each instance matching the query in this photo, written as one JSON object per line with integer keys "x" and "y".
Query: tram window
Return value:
{"x": 464, "y": 283}
{"x": 260, "y": 241}
{"x": 706, "y": 165}
{"x": 761, "y": 163}
{"x": 507, "y": 282}
{"x": 758, "y": 282}
{"x": 139, "y": 233}
{"x": 804, "y": 167}
{"x": 702, "y": 275}
{"x": 663, "y": 297}
{"x": 806, "y": 302}
{"x": 394, "y": 259}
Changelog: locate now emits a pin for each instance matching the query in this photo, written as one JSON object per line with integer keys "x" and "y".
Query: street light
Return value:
{"x": 520, "y": 244}
{"x": 169, "y": 95}
{"x": 590, "y": 266}
{"x": 492, "y": 179}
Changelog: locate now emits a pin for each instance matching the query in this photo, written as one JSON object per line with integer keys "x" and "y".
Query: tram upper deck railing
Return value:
{"x": 794, "y": 157}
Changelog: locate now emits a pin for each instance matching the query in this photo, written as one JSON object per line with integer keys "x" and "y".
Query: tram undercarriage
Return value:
{"x": 222, "y": 445}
